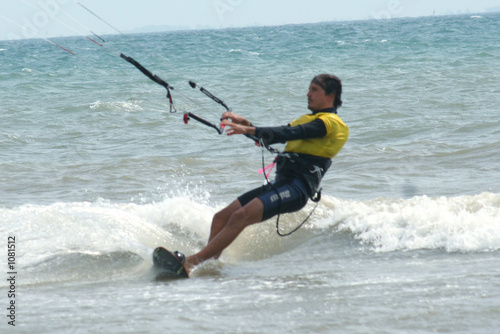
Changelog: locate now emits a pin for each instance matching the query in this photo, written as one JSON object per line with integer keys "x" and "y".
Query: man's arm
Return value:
{"x": 239, "y": 125}
{"x": 282, "y": 134}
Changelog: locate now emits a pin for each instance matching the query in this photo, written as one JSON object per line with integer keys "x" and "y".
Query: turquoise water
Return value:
{"x": 95, "y": 172}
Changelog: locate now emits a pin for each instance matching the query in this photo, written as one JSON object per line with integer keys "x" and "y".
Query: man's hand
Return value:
{"x": 237, "y": 129}
{"x": 235, "y": 118}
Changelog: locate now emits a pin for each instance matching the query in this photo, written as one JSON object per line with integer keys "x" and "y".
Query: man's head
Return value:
{"x": 325, "y": 91}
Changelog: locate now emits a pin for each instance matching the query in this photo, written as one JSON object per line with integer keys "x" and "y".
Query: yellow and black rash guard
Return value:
{"x": 312, "y": 140}
{"x": 326, "y": 146}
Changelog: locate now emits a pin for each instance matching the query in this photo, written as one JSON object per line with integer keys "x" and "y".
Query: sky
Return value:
{"x": 54, "y": 18}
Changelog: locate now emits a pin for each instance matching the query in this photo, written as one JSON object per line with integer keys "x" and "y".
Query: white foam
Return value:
{"x": 182, "y": 214}
{"x": 456, "y": 224}
{"x": 79, "y": 227}
{"x": 93, "y": 233}
{"x": 124, "y": 106}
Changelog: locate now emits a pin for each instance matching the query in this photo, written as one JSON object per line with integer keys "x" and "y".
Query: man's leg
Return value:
{"x": 227, "y": 233}
{"x": 220, "y": 220}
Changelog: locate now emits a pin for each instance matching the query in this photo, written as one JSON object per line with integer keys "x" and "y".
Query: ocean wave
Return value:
{"x": 84, "y": 266}
{"x": 455, "y": 224}
{"x": 87, "y": 236}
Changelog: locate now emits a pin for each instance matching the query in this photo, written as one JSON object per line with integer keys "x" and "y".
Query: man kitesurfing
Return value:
{"x": 312, "y": 141}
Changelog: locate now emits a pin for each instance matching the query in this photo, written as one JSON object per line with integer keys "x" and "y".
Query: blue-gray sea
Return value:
{"x": 95, "y": 172}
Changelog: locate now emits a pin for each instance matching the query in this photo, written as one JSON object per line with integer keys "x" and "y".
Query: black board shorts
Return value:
{"x": 293, "y": 195}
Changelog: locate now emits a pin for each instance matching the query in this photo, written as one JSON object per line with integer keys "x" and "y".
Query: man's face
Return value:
{"x": 317, "y": 99}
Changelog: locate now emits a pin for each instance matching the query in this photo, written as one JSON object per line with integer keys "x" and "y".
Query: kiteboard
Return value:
{"x": 168, "y": 264}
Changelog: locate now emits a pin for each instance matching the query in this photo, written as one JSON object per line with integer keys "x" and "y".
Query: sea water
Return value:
{"x": 95, "y": 172}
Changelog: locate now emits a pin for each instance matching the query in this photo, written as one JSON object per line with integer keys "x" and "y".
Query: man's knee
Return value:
{"x": 238, "y": 216}
{"x": 248, "y": 214}
{"x": 224, "y": 214}
{"x": 219, "y": 216}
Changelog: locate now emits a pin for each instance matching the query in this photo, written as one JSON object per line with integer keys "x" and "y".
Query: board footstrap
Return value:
{"x": 166, "y": 262}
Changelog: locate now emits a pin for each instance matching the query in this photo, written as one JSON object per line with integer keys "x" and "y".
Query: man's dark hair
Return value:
{"x": 332, "y": 85}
